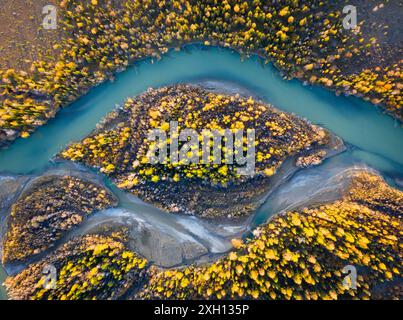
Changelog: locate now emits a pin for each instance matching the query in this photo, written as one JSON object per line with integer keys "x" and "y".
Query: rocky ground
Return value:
{"x": 10, "y": 188}
{"x": 163, "y": 247}
{"x": 22, "y": 37}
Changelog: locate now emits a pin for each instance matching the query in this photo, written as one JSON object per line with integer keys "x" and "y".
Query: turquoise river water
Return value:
{"x": 373, "y": 138}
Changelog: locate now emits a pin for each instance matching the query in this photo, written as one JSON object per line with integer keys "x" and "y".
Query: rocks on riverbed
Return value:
{"x": 159, "y": 244}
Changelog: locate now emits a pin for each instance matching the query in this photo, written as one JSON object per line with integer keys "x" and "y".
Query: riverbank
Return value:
{"x": 346, "y": 117}
{"x": 299, "y": 39}
{"x": 301, "y": 255}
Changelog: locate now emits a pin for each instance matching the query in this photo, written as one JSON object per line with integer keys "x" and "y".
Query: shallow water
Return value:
{"x": 215, "y": 238}
{"x": 373, "y": 138}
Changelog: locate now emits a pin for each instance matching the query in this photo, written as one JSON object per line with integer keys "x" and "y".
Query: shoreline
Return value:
{"x": 4, "y": 144}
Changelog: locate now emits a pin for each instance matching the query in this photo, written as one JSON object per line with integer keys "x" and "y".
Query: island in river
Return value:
{"x": 49, "y": 207}
{"x": 194, "y": 185}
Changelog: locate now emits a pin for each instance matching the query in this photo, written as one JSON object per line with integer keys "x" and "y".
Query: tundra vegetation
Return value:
{"x": 52, "y": 206}
{"x": 304, "y": 39}
{"x": 121, "y": 147}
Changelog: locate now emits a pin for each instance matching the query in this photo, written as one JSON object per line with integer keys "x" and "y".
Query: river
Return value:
{"x": 374, "y": 139}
